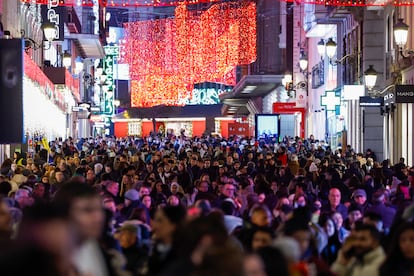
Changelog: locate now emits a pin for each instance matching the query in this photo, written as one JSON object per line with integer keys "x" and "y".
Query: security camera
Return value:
{"x": 86, "y": 77}
{"x": 302, "y": 85}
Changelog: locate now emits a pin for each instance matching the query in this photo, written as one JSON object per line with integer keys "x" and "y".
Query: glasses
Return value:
{"x": 230, "y": 189}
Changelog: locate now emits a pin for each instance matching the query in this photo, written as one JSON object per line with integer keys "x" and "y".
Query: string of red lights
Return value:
{"x": 169, "y": 3}
{"x": 167, "y": 57}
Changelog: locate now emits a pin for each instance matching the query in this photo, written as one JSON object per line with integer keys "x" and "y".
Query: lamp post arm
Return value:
{"x": 406, "y": 53}
{"x": 342, "y": 59}
{"x": 377, "y": 93}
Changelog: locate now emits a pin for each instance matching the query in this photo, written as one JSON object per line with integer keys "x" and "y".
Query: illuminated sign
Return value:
{"x": 55, "y": 14}
{"x": 111, "y": 50}
{"x": 115, "y": 35}
{"x": 331, "y": 100}
{"x": 205, "y": 96}
{"x": 353, "y": 92}
{"x": 404, "y": 93}
{"x": 111, "y": 53}
{"x": 367, "y": 101}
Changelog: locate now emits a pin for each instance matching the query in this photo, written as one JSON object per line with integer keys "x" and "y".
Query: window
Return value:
{"x": 134, "y": 128}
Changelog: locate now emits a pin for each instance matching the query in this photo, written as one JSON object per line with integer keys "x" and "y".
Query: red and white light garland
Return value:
{"x": 168, "y": 56}
{"x": 167, "y": 3}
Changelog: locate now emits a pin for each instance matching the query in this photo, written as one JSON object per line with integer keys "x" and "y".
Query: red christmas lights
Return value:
{"x": 168, "y": 56}
{"x": 33, "y": 72}
{"x": 166, "y": 3}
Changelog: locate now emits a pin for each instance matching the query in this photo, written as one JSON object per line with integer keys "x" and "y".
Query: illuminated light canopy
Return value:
{"x": 169, "y": 3}
{"x": 168, "y": 56}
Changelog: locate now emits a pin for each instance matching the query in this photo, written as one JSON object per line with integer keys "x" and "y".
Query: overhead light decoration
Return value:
{"x": 355, "y": 3}
{"x": 168, "y": 56}
{"x": 169, "y": 3}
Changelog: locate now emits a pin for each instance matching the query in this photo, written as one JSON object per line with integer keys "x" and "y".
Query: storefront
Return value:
{"x": 46, "y": 109}
{"x": 192, "y": 120}
{"x": 398, "y": 114}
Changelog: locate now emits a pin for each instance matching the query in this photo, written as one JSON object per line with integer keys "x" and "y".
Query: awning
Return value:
{"x": 249, "y": 87}
{"x": 89, "y": 45}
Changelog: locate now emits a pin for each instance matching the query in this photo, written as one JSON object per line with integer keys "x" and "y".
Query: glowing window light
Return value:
{"x": 167, "y": 56}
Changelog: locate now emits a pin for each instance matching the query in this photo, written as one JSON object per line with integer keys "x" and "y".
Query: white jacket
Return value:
{"x": 368, "y": 267}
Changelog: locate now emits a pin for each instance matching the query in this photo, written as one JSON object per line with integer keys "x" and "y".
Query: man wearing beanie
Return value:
{"x": 131, "y": 201}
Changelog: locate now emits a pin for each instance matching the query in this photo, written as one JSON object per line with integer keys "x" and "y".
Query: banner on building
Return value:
{"x": 111, "y": 53}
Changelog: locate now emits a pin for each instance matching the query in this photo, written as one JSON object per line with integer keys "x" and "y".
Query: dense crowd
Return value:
{"x": 204, "y": 206}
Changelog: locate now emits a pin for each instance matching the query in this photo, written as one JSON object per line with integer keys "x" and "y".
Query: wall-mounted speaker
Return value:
{"x": 11, "y": 91}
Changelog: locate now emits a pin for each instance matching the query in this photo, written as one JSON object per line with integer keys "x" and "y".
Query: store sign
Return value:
{"x": 389, "y": 98}
{"x": 367, "y": 101}
{"x": 300, "y": 98}
{"x": 331, "y": 101}
{"x": 205, "y": 96}
{"x": 404, "y": 94}
{"x": 111, "y": 53}
{"x": 353, "y": 92}
{"x": 115, "y": 35}
{"x": 55, "y": 14}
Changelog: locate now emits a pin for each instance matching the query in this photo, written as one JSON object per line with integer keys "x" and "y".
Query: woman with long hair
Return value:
{"x": 400, "y": 258}
{"x": 164, "y": 226}
{"x": 330, "y": 252}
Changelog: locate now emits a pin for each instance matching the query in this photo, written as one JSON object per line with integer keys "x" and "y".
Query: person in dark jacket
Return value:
{"x": 334, "y": 204}
{"x": 166, "y": 222}
{"x": 387, "y": 213}
{"x": 399, "y": 260}
{"x": 135, "y": 255}
{"x": 131, "y": 202}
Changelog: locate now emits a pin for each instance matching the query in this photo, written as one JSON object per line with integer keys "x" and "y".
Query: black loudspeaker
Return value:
{"x": 11, "y": 91}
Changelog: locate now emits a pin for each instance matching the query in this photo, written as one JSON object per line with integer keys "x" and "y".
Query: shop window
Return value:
{"x": 134, "y": 128}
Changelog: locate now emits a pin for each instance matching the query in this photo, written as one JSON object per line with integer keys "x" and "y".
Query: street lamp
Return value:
{"x": 66, "y": 59}
{"x": 330, "y": 48}
{"x": 321, "y": 48}
{"x": 401, "y": 36}
{"x": 78, "y": 65}
{"x": 303, "y": 61}
{"x": 49, "y": 31}
{"x": 370, "y": 77}
{"x": 287, "y": 79}
{"x": 401, "y": 33}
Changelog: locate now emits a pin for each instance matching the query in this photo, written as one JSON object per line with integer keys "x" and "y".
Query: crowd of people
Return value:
{"x": 204, "y": 206}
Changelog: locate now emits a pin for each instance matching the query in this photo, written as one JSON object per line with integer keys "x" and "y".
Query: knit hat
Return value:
{"x": 359, "y": 192}
{"x": 132, "y": 195}
{"x": 128, "y": 227}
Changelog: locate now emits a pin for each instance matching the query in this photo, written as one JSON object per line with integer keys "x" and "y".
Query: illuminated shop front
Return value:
{"x": 192, "y": 120}
{"x": 46, "y": 109}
